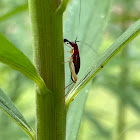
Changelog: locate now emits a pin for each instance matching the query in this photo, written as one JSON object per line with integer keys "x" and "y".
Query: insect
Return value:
{"x": 74, "y": 62}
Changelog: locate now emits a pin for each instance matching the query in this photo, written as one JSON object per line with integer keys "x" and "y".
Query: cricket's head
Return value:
{"x": 73, "y": 44}
{"x": 66, "y": 41}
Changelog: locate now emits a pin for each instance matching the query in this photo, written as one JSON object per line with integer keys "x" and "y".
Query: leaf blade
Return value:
{"x": 17, "y": 10}
{"x": 11, "y": 110}
{"x": 89, "y": 27}
{"x": 11, "y": 56}
{"x": 122, "y": 41}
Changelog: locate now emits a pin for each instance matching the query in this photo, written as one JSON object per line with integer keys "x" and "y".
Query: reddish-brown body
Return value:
{"x": 75, "y": 58}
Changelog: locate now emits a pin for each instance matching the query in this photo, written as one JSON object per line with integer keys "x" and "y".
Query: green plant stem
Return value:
{"x": 122, "y": 101}
{"x": 120, "y": 135}
{"x": 122, "y": 85}
{"x": 49, "y": 55}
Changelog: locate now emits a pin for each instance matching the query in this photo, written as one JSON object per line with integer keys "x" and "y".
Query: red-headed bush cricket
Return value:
{"x": 74, "y": 62}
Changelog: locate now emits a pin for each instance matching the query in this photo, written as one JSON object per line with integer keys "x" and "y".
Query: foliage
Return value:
{"x": 95, "y": 16}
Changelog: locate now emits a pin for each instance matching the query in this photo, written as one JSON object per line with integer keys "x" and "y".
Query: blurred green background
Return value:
{"x": 112, "y": 109}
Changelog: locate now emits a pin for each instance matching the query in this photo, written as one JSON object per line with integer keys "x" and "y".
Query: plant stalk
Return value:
{"x": 122, "y": 101}
{"x": 49, "y": 55}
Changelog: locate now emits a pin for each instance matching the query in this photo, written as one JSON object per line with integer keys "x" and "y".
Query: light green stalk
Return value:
{"x": 49, "y": 55}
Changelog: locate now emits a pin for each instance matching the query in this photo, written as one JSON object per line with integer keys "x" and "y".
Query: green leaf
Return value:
{"x": 14, "y": 12}
{"x": 10, "y": 109}
{"x": 11, "y": 56}
{"x": 62, "y": 6}
{"x": 122, "y": 41}
{"x": 91, "y": 26}
{"x": 74, "y": 116}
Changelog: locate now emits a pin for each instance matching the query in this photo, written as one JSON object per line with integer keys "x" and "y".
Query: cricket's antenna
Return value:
{"x": 89, "y": 47}
{"x": 79, "y": 21}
